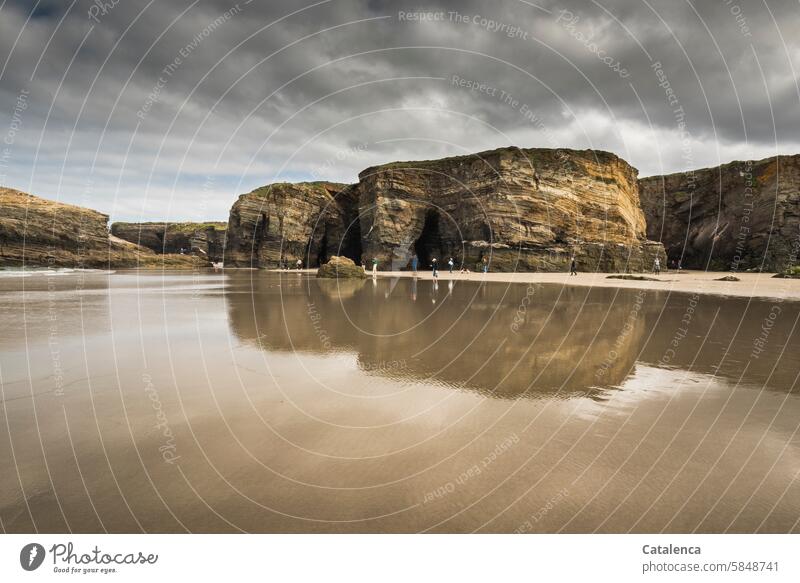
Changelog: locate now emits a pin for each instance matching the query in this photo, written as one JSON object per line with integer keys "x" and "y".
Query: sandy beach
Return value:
{"x": 244, "y": 400}
{"x": 755, "y": 285}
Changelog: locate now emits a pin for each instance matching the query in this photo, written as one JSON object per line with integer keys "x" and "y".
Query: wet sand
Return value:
{"x": 262, "y": 402}
{"x": 757, "y": 285}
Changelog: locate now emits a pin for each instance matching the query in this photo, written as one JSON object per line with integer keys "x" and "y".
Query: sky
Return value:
{"x": 169, "y": 109}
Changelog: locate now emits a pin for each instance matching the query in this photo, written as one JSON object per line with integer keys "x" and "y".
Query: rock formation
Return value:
{"x": 285, "y": 222}
{"x": 341, "y": 267}
{"x": 206, "y": 239}
{"x": 526, "y": 210}
{"x": 36, "y": 232}
{"x": 741, "y": 215}
{"x": 523, "y": 210}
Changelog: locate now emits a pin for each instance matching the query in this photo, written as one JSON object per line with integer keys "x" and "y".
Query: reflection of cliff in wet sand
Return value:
{"x": 518, "y": 340}
{"x": 506, "y": 341}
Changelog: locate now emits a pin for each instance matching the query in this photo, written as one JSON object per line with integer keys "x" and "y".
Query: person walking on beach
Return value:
{"x": 450, "y": 264}
{"x": 374, "y": 265}
{"x": 657, "y": 266}
{"x": 573, "y": 267}
{"x": 414, "y": 262}
{"x": 435, "y": 267}
{"x": 485, "y": 265}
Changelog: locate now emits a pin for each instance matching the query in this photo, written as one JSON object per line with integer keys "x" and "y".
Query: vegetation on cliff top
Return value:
{"x": 528, "y": 152}
{"x": 183, "y": 227}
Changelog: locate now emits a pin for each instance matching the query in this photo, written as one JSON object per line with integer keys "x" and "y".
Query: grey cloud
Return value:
{"x": 208, "y": 119}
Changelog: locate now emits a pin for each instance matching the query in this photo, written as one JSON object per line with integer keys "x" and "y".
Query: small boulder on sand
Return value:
{"x": 340, "y": 267}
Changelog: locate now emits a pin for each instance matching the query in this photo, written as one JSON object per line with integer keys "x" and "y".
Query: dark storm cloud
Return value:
{"x": 172, "y": 108}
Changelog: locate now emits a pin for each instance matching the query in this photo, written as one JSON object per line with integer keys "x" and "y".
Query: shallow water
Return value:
{"x": 277, "y": 402}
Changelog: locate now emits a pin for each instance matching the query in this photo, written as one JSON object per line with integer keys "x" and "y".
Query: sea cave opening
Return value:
{"x": 322, "y": 251}
{"x": 429, "y": 243}
{"x": 351, "y": 242}
{"x": 332, "y": 242}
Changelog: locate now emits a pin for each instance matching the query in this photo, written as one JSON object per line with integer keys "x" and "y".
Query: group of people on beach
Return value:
{"x": 285, "y": 264}
{"x": 434, "y": 266}
{"x": 676, "y": 266}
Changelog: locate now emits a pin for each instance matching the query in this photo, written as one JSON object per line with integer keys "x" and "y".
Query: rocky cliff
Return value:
{"x": 311, "y": 221}
{"x": 527, "y": 210}
{"x": 522, "y": 210}
{"x": 741, "y": 215}
{"x": 36, "y": 232}
{"x": 206, "y": 239}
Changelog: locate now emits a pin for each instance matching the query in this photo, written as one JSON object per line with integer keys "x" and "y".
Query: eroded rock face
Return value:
{"x": 286, "y": 222}
{"x": 523, "y": 210}
{"x": 206, "y": 239}
{"x": 36, "y": 232}
{"x": 741, "y": 215}
{"x": 526, "y": 210}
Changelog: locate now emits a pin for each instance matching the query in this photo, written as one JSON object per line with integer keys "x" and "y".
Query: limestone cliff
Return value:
{"x": 526, "y": 210}
{"x": 207, "y": 239}
{"x": 741, "y": 215}
{"x": 36, "y": 232}
{"x": 522, "y": 210}
{"x": 311, "y": 221}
